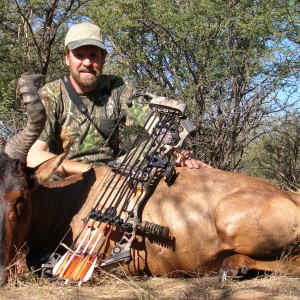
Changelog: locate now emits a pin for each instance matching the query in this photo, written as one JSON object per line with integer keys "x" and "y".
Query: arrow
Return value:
{"x": 91, "y": 263}
{"x": 64, "y": 262}
{"x": 76, "y": 262}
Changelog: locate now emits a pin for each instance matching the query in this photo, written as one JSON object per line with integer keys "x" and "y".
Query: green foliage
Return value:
{"x": 276, "y": 156}
{"x": 31, "y": 41}
{"x": 235, "y": 63}
{"x": 227, "y": 59}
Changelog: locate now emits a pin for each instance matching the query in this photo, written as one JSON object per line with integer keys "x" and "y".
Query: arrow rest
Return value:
{"x": 127, "y": 186}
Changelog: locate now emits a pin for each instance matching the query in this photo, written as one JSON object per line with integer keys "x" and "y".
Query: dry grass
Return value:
{"x": 119, "y": 286}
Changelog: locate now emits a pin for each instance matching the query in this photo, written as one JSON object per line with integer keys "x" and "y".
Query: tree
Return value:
{"x": 276, "y": 156}
{"x": 36, "y": 25}
{"x": 31, "y": 41}
{"x": 228, "y": 59}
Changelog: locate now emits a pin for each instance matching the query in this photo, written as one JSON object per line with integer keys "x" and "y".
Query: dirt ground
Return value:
{"x": 112, "y": 286}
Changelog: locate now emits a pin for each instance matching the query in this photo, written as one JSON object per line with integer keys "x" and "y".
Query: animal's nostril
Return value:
{"x": 3, "y": 280}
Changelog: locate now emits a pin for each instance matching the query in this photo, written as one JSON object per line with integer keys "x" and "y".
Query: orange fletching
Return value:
{"x": 68, "y": 274}
{"x": 82, "y": 268}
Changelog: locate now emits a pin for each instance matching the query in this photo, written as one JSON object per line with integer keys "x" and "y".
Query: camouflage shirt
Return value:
{"x": 105, "y": 105}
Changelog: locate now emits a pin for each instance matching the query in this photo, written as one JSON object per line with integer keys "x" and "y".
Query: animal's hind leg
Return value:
{"x": 233, "y": 265}
{"x": 239, "y": 263}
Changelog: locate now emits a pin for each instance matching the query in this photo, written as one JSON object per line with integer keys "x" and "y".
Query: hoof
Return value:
{"x": 244, "y": 269}
{"x": 223, "y": 276}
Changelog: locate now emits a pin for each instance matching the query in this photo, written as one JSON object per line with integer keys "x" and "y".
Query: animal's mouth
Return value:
{"x": 3, "y": 277}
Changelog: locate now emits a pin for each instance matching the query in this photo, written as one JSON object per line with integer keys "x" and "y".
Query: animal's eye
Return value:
{"x": 21, "y": 208}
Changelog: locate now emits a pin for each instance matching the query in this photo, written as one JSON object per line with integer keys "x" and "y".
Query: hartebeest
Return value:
{"x": 218, "y": 220}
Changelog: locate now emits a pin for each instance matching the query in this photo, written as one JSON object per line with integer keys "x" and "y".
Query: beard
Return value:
{"x": 86, "y": 78}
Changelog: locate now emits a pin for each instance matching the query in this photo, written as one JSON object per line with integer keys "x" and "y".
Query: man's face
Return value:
{"x": 86, "y": 64}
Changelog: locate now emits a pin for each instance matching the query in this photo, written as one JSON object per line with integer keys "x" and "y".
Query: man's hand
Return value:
{"x": 186, "y": 158}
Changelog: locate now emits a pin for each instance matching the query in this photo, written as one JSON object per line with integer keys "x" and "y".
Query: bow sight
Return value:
{"x": 126, "y": 187}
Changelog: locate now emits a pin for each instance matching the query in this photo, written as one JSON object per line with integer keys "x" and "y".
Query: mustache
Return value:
{"x": 91, "y": 70}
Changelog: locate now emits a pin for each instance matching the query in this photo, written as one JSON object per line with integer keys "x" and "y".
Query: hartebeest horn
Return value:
{"x": 18, "y": 146}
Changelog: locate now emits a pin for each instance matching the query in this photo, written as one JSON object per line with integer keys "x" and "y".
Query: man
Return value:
{"x": 103, "y": 95}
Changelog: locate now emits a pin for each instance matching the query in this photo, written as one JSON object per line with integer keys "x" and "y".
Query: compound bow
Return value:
{"x": 124, "y": 191}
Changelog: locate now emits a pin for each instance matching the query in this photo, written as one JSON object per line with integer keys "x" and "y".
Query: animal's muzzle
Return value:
{"x": 3, "y": 277}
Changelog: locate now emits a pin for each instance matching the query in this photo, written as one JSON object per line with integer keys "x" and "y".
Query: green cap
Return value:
{"x": 84, "y": 34}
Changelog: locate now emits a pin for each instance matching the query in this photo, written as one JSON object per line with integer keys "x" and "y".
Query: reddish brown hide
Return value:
{"x": 15, "y": 210}
{"x": 217, "y": 220}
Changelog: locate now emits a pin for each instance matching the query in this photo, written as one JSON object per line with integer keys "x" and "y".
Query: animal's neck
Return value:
{"x": 53, "y": 208}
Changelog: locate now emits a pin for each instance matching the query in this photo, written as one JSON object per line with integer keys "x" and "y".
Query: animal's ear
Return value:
{"x": 32, "y": 181}
{"x": 45, "y": 170}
